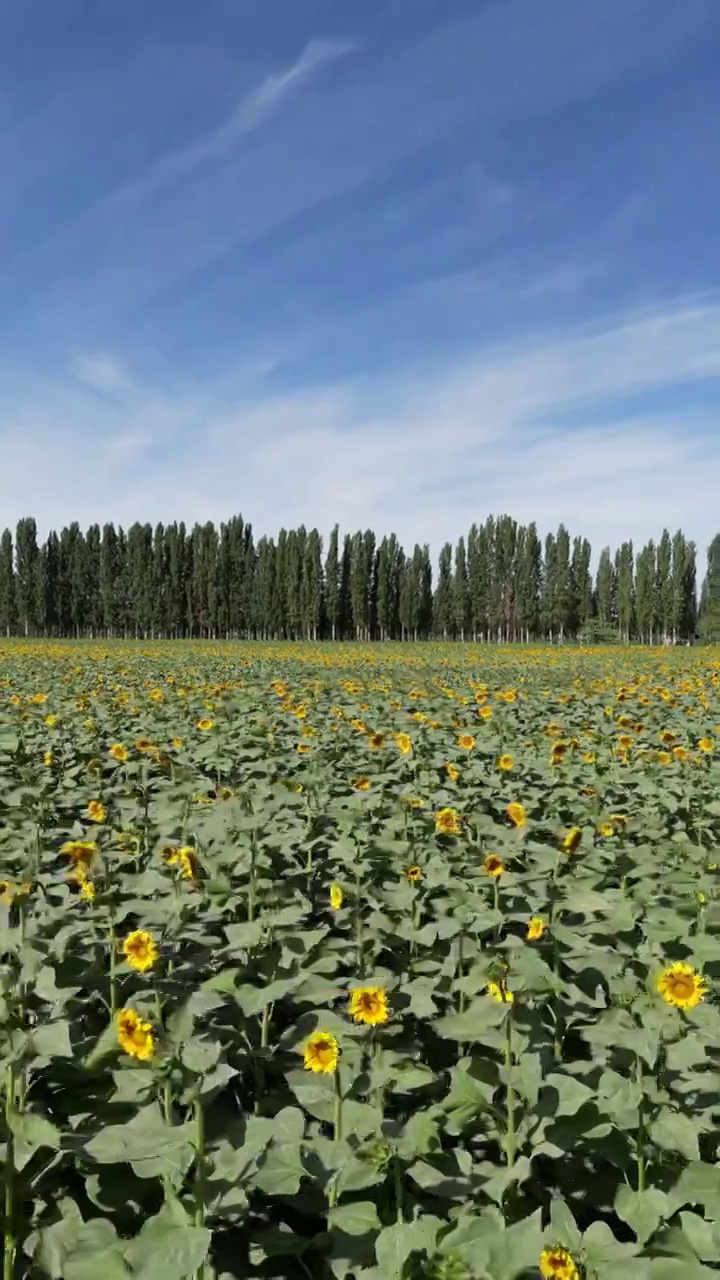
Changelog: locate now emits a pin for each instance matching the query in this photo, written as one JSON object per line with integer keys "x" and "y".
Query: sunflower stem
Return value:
{"x": 112, "y": 944}
{"x": 199, "y": 1191}
{"x": 9, "y": 1242}
{"x": 260, "y": 1061}
{"x": 359, "y": 959}
{"x": 398, "y": 1187}
{"x": 641, "y": 1168}
{"x": 510, "y": 1140}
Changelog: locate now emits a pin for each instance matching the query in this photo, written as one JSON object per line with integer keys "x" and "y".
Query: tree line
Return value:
{"x": 501, "y": 582}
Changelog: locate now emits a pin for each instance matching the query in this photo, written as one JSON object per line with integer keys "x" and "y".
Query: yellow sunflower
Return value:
{"x": 505, "y": 762}
{"x": 493, "y": 865}
{"x": 413, "y": 874}
{"x": 321, "y": 1053}
{"x": 558, "y": 1264}
{"x": 369, "y": 1005}
{"x": 135, "y": 1035}
{"x": 140, "y": 950}
{"x": 466, "y": 741}
{"x": 362, "y": 783}
{"x": 118, "y": 752}
{"x": 403, "y": 742}
{"x": 205, "y": 724}
{"x": 536, "y": 928}
{"x": 448, "y": 822}
{"x": 515, "y": 812}
{"x": 499, "y": 992}
{"x": 681, "y": 985}
{"x": 336, "y": 897}
{"x": 96, "y": 811}
{"x": 571, "y": 839}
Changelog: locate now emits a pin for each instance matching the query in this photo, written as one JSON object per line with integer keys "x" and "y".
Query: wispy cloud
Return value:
{"x": 99, "y": 371}
{"x": 249, "y": 114}
{"x": 424, "y": 455}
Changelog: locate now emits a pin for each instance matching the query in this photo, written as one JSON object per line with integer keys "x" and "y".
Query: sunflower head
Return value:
{"x": 413, "y": 874}
{"x": 493, "y": 865}
{"x": 321, "y": 1053}
{"x": 336, "y": 897}
{"x": 536, "y": 928}
{"x": 140, "y": 950}
{"x": 135, "y": 1035}
{"x": 515, "y": 814}
{"x": 448, "y": 822}
{"x": 558, "y": 1264}
{"x": 681, "y": 986}
{"x": 369, "y": 1005}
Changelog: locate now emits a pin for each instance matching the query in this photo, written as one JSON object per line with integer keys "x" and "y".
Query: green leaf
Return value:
{"x": 355, "y": 1219}
{"x": 96, "y": 1252}
{"x": 699, "y": 1183}
{"x": 675, "y": 1132}
{"x": 395, "y": 1244}
{"x": 572, "y": 1093}
{"x": 168, "y": 1250}
{"x": 643, "y": 1211}
{"x": 280, "y": 1170}
{"x": 32, "y": 1131}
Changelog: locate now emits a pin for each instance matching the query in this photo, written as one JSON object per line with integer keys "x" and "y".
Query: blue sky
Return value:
{"x": 397, "y": 263}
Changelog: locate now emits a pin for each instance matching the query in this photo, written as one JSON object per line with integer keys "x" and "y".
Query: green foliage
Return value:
{"x": 529, "y": 1091}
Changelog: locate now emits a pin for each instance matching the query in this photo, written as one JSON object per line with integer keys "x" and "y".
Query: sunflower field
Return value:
{"x": 367, "y": 962}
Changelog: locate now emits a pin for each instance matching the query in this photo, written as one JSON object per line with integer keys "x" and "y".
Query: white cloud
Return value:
{"x": 249, "y": 113}
{"x": 423, "y": 455}
{"x": 100, "y": 371}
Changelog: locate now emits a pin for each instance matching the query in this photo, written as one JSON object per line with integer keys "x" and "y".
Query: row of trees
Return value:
{"x": 501, "y": 582}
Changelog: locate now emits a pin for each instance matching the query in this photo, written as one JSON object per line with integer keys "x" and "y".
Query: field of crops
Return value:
{"x": 366, "y": 962}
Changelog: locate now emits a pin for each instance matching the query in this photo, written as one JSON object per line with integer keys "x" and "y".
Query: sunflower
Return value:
{"x": 485, "y": 713}
{"x": 664, "y": 757}
{"x": 369, "y": 1005}
{"x": 413, "y": 874}
{"x": 681, "y": 985}
{"x": 336, "y": 896}
{"x": 135, "y": 1035}
{"x": 403, "y": 742}
{"x": 466, "y": 741}
{"x": 493, "y": 865}
{"x": 606, "y": 829}
{"x": 516, "y": 814}
{"x": 452, "y": 772}
{"x": 118, "y": 752}
{"x": 536, "y": 928}
{"x": 448, "y": 822}
{"x": 184, "y": 858}
{"x": 87, "y": 890}
{"x": 96, "y": 811}
{"x": 505, "y": 762}
{"x": 375, "y": 740}
{"x": 558, "y": 1264}
{"x": 571, "y": 839}
{"x": 205, "y": 724}
{"x": 321, "y": 1053}
{"x": 80, "y": 852}
{"x": 362, "y": 783}
{"x": 706, "y": 744}
{"x": 143, "y": 744}
{"x": 499, "y": 992}
{"x": 557, "y": 755}
{"x": 140, "y": 950}
{"x": 47, "y": 759}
